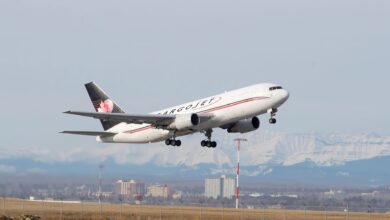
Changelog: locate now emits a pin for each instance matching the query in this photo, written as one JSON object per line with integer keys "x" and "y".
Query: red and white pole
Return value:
{"x": 238, "y": 140}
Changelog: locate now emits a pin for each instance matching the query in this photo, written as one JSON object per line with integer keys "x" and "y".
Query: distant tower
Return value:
{"x": 101, "y": 166}
{"x": 238, "y": 140}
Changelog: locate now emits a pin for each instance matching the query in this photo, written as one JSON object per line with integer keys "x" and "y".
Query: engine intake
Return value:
{"x": 184, "y": 121}
{"x": 245, "y": 125}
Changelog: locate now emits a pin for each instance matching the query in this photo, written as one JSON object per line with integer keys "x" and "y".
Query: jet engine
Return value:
{"x": 184, "y": 121}
{"x": 245, "y": 125}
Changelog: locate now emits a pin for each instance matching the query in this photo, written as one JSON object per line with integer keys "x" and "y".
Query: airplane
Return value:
{"x": 236, "y": 111}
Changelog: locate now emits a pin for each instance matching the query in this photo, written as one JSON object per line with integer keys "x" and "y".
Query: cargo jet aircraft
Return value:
{"x": 236, "y": 111}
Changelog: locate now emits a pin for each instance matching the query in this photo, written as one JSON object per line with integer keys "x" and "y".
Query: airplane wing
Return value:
{"x": 162, "y": 120}
{"x": 90, "y": 133}
{"x": 155, "y": 119}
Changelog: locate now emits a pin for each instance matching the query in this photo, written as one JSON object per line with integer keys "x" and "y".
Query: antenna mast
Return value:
{"x": 238, "y": 140}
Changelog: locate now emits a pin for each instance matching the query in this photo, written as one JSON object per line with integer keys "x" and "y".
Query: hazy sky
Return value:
{"x": 333, "y": 57}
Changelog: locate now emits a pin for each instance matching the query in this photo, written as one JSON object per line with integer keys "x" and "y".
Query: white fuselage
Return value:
{"x": 223, "y": 109}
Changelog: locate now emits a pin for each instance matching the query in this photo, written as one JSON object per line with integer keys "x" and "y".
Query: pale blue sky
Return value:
{"x": 333, "y": 57}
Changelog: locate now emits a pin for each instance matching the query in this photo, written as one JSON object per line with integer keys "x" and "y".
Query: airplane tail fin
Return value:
{"x": 102, "y": 103}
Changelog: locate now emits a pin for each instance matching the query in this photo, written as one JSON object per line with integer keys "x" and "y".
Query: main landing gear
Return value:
{"x": 208, "y": 143}
{"x": 173, "y": 142}
{"x": 272, "y": 111}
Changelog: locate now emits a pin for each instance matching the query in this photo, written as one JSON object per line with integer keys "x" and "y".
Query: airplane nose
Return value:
{"x": 284, "y": 95}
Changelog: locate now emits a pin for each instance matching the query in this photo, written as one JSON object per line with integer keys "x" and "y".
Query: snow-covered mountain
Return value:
{"x": 263, "y": 148}
{"x": 321, "y": 149}
{"x": 265, "y": 154}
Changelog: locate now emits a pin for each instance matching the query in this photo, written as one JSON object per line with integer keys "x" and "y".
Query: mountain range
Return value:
{"x": 312, "y": 158}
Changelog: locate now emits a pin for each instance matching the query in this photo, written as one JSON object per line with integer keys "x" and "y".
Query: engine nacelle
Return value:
{"x": 184, "y": 121}
{"x": 245, "y": 125}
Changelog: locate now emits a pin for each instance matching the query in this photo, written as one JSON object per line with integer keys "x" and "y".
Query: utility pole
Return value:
{"x": 101, "y": 166}
{"x": 238, "y": 140}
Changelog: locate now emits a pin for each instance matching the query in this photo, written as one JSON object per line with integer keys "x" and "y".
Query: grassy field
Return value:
{"x": 94, "y": 211}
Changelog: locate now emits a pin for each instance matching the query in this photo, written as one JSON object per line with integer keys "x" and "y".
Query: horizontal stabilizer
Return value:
{"x": 90, "y": 133}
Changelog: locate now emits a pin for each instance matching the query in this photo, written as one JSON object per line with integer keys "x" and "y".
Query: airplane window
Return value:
{"x": 275, "y": 87}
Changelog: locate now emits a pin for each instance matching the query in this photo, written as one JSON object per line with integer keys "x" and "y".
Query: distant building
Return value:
{"x": 228, "y": 187}
{"x": 374, "y": 193}
{"x": 103, "y": 194}
{"x": 177, "y": 195}
{"x": 213, "y": 187}
{"x": 159, "y": 191}
{"x": 329, "y": 193}
{"x": 220, "y": 187}
{"x": 130, "y": 188}
{"x": 256, "y": 195}
{"x": 280, "y": 195}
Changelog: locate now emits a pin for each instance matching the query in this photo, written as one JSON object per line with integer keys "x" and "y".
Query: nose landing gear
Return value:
{"x": 208, "y": 143}
{"x": 272, "y": 111}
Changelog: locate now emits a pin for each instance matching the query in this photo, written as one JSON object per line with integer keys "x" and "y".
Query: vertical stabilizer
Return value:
{"x": 102, "y": 103}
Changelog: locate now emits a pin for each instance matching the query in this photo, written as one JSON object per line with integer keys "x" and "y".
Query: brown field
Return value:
{"x": 94, "y": 211}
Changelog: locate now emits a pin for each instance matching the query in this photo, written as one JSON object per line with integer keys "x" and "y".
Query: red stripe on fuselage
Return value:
{"x": 232, "y": 104}
{"x": 140, "y": 129}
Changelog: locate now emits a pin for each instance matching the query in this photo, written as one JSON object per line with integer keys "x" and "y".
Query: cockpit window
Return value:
{"x": 274, "y": 88}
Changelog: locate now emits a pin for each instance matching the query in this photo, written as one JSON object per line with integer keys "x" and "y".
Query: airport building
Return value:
{"x": 159, "y": 191}
{"x": 220, "y": 187}
{"x": 213, "y": 187}
{"x": 129, "y": 188}
{"x": 228, "y": 187}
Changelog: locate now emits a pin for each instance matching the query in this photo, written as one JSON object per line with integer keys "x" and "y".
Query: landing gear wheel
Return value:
{"x": 208, "y": 143}
{"x": 273, "y": 111}
{"x": 173, "y": 142}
